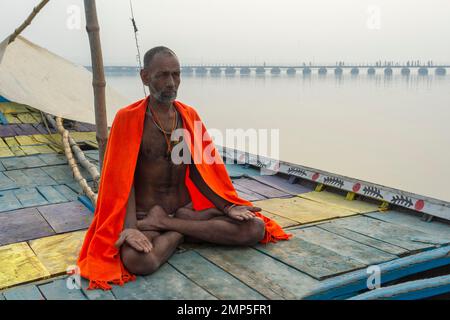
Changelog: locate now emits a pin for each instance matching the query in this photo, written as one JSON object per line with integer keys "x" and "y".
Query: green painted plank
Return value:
{"x": 238, "y": 170}
{"x": 61, "y": 173}
{"x": 271, "y": 278}
{"x": 95, "y": 294}
{"x": 401, "y": 236}
{"x": 413, "y": 221}
{"x": 8, "y": 201}
{"x": 310, "y": 258}
{"x": 165, "y": 284}
{"x": 30, "y": 177}
{"x": 75, "y": 187}
{"x": 6, "y": 183}
{"x": 51, "y": 194}
{"x": 29, "y": 292}
{"x": 66, "y": 192}
{"x": 22, "y": 162}
{"x": 358, "y": 237}
{"x": 59, "y": 290}
{"x": 343, "y": 246}
{"x": 52, "y": 159}
{"x": 2, "y": 168}
{"x": 30, "y": 197}
{"x": 211, "y": 278}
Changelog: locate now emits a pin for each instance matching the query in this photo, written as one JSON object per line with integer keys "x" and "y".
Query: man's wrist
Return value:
{"x": 228, "y": 207}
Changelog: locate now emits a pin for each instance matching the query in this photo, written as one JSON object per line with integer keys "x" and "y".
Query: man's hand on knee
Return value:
{"x": 241, "y": 213}
{"x": 135, "y": 239}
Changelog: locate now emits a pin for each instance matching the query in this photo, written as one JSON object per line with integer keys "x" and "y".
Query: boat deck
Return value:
{"x": 339, "y": 246}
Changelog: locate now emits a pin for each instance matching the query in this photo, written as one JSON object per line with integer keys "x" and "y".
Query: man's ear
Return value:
{"x": 145, "y": 76}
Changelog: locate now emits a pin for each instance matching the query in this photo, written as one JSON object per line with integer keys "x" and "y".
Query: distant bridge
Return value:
{"x": 292, "y": 70}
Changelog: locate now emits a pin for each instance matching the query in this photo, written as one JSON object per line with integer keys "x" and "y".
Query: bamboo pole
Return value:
{"x": 27, "y": 22}
{"x": 79, "y": 154}
{"x": 98, "y": 82}
{"x": 73, "y": 164}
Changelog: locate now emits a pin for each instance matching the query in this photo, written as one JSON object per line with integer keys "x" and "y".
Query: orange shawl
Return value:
{"x": 99, "y": 260}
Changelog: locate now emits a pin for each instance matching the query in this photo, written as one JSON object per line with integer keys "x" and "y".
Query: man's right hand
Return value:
{"x": 135, "y": 239}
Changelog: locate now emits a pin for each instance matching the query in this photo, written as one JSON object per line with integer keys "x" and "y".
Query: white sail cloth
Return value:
{"x": 34, "y": 76}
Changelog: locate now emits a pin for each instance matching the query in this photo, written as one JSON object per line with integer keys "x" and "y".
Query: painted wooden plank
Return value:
{"x": 271, "y": 278}
{"x": 6, "y": 131}
{"x": 58, "y": 253}
{"x": 411, "y": 290}
{"x": 52, "y": 159}
{"x": 22, "y": 225}
{"x": 12, "y": 118}
{"x": 25, "y": 140}
{"x": 66, "y": 192}
{"x": 26, "y": 118}
{"x": 413, "y": 221}
{"x": 30, "y": 197}
{"x": 358, "y": 237}
{"x": 281, "y": 184}
{"x": 29, "y": 150}
{"x": 282, "y": 221}
{"x": 22, "y": 163}
{"x": 6, "y": 152}
{"x": 61, "y": 174}
{"x": 11, "y": 142}
{"x": 7, "y": 183}
{"x": 59, "y": 290}
{"x": 28, "y": 129}
{"x": 92, "y": 154}
{"x": 29, "y": 292}
{"x": 2, "y": 168}
{"x": 398, "y": 235}
{"x": 51, "y": 194}
{"x": 95, "y": 294}
{"x": 12, "y": 107}
{"x": 302, "y": 210}
{"x": 211, "y": 278}
{"x": 343, "y": 246}
{"x": 19, "y": 264}
{"x": 74, "y": 186}
{"x": 165, "y": 284}
{"x": 312, "y": 259}
{"x": 8, "y": 201}
{"x": 2, "y": 297}
{"x": 37, "y": 116}
{"x": 237, "y": 170}
{"x": 246, "y": 193}
{"x": 18, "y": 152}
{"x": 262, "y": 189}
{"x": 67, "y": 217}
{"x": 30, "y": 177}
{"x": 43, "y": 149}
{"x": 352, "y": 283}
{"x": 3, "y": 143}
{"x": 338, "y": 200}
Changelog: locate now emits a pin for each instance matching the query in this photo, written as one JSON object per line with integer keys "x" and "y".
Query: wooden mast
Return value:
{"x": 98, "y": 82}
{"x": 27, "y": 22}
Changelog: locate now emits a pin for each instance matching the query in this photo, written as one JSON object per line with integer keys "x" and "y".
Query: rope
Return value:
{"x": 135, "y": 30}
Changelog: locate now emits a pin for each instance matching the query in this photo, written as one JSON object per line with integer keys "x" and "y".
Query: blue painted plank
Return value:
{"x": 165, "y": 284}
{"x": 354, "y": 282}
{"x": 87, "y": 202}
{"x": 30, "y": 197}
{"x": 75, "y": 187}
{"x": 30, "y": 177}
{"x": 66, "y": 192}
{"x": 2, "y": 297}
{"x": 3, "y": 99}
{"x": 8, "y": 201}
{"x": 59, "y": 290}
{"x": 238, "y": 171}
{"x": 6, "y": 183}
{"x": 61, "y": 174}
{"x": 51, "y": 194}
{"x": 282, "y": 184}
{"x": 270, "y": 277}
{"x": 53, "y": 159}
{"x": 2, "y": 168}
{"x": 211, "y": 278}
{"x": 3, "y": 119}
{"x": 95, "y": 294}
{"x": 22, "y": 162}
{"x": 29, "y": 292}
{"x": 411, "y": 290}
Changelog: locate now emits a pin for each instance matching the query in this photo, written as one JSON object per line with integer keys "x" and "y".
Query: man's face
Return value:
{"x": 162, "y": 77}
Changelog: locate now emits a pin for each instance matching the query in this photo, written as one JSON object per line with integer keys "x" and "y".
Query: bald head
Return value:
{"x": 150, "y": 54}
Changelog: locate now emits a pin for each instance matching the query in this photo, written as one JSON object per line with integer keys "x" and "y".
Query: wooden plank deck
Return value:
{"x": 334, "y": 238}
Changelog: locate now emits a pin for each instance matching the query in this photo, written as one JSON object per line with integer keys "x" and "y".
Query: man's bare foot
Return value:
{"x": 154, "y": 221}
{"x": 189, "y": 214}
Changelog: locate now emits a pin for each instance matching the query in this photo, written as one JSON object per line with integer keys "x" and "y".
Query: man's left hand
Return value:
{"x": 242, "y": 213}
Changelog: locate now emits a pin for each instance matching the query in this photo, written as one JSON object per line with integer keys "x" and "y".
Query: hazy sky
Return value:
{"x": 244, "y": 31}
